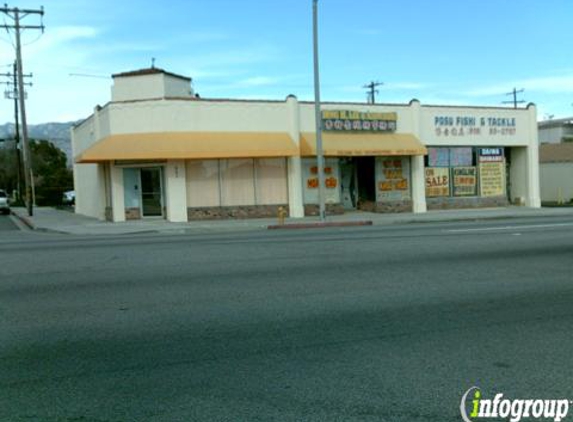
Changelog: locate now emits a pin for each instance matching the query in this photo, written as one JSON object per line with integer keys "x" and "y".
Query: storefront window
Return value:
{"x": 465, "y": 172}
{"x": 237, "y": 182}
{"x": 331, "y": 180}
{"x": 392, "y": 179}
{"x": 271, "y": 181}
{"x": 203, "y": 183}
{"x": 492, "y": 172}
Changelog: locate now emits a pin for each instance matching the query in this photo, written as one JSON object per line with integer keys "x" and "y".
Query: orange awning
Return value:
{"x": 361, "y": 144}
{"x": 189, "y": 145}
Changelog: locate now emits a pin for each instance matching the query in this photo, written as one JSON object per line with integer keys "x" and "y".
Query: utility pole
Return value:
{"x": 372, "y": 91}
{"x": 17, "y": 15}
{"x": 514, "y": 101}
{"x": 318, "y": 116}
{"x": 12, "y": 93}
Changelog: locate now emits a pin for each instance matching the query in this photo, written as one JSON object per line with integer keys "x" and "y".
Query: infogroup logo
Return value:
{"x": 516, "y": 409}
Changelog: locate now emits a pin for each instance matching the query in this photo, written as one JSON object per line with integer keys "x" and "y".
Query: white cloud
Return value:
{"x": 63, "y": 34}
{"x": 405, "y": 86}
{"x": 258, "y": 81}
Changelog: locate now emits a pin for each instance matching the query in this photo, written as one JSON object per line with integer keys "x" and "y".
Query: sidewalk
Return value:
{"x": 64, "y": 221}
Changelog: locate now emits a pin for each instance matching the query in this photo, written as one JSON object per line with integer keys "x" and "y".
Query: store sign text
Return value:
{"x": 348, "y": 121}
{"x": 437, "y": 182}
{"x": 393, "y": 179}
{"x": 470, "y": 125}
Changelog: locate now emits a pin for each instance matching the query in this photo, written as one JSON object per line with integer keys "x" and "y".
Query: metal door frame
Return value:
{"x": 161, "y": 193}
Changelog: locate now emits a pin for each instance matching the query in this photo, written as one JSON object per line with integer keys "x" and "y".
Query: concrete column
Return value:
{"x": 117, "y": 195}
{"x": 295, "y": 193}
{"x": 417, "y": 163}
{"x": 533, "y": 198}
{"x": 518, "y": 175}
{"x": 175, "y": 191}
{"x": 418, "y": 184}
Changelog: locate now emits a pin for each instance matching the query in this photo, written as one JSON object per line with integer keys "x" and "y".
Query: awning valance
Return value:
{"x": 361, "y": 144}
{"x": 190, "y": 145}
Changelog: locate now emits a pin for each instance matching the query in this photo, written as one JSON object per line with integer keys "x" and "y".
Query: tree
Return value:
{"x": 8, "y": 167}
{"x": 51, "y": 175}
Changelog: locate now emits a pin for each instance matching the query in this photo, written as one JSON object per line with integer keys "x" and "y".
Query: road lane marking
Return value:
{"x": 485, "y": 229}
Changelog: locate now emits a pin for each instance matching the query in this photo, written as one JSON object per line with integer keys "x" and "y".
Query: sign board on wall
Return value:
{"x": 392, "y": 179}
{"x": 491, "y": 154}
{"x": 492, "y": 178}
{"x": 454, "y": 125}
{"x": 331, "y": 180}
{"x": 491, "y": 171}
{"x": 357, "y": 121}
{"x": 437, "y": 182}
{"x": 464, "y": 181}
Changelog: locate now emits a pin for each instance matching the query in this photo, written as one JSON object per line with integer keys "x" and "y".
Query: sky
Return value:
{"x": 445, "y": 52}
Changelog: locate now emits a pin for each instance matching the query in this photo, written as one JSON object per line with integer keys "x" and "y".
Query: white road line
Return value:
{"x": 485, "y": 229}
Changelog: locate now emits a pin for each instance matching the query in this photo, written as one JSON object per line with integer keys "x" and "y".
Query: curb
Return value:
{"x": 24, "y": 220}
{"x": 460, "y": 219}
{"x": 319, "y": 225}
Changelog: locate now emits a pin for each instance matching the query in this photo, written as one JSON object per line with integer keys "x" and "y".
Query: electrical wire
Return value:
{"x": 34, "y": 41}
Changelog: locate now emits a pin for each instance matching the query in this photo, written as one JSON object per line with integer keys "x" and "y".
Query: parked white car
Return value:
{"x": 69, "y": 197}
{"x": 4, "y": 203}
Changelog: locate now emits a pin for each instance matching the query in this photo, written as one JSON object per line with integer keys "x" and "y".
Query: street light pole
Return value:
{"x": 318, "y": 117}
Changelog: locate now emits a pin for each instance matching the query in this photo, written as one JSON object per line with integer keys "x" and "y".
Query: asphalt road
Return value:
{"x": 6, "y": 223}
{"x": 362, "y": 324}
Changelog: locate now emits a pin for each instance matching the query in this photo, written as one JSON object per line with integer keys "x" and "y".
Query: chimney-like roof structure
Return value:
{"x": 149, "y": 71}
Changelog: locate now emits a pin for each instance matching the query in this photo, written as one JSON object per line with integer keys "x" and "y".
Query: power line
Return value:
{"x": 17, "y": 15}
{"x": 514, "y": 101}
{"x": 88, "y": 75}
{"x": 372, "y": 91}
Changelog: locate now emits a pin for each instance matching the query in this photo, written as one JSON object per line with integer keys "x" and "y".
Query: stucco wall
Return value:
{"x": 556, "y": 182}
{"x": 83, "y": 136}
{"x": 137, "y": 87}
{"x": 200, "y": 116}
{"x": 90, "y": 190}
{"x": 551, "y": 135}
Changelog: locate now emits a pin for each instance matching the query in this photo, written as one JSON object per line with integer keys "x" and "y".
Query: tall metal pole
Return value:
{"x": 21, "y": 98}
{"x": 318, "y": 116}
{"x": 17, "y": 134}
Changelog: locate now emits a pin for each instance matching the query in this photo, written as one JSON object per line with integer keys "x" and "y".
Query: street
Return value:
{"x": 382, "y": 323}
{"x": 6, "y": 223}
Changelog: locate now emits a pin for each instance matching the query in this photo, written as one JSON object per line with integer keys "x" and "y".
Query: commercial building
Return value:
{"x": 555, "y": 131}
{"x": 556, "y": 173}
{"x": 157, "y": 150}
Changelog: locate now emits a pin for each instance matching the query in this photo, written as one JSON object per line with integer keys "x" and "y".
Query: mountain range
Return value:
{"x": 57, "y": 133}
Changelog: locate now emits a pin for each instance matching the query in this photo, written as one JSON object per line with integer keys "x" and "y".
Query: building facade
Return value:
{"x": 158, "y": 151}
{"x": 556, "y": 173}
{"x": 556, "y": 131}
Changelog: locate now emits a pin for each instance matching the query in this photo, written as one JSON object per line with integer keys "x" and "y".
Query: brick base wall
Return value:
{"x": 393, "y": 207}
{"x": 132, "y": 214}
{"x": 331, "y": 209}
{"x": 460, "y": 203}
{"x": 240, "y": 212}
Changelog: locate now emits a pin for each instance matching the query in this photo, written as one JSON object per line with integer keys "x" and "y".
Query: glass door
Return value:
{"x": 151, "y": 198}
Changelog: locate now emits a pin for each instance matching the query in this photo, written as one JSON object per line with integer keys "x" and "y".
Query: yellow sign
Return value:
{"x": 465, "y": 181}
{"x": 358, "y": 121}
{"x": 393, "y": 178}
{"x": 357, "y": 115}
{"x": 492, "y": 178}
{"x": 437, "y": 182}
